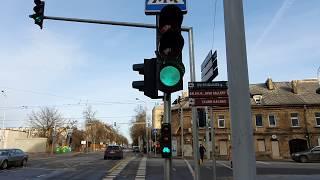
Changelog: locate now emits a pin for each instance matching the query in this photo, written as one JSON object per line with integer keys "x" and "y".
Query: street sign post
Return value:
{"x": 154, "y": 7}
{"x": 209, "y": 67}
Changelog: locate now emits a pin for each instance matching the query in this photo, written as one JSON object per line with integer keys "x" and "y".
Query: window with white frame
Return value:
{"x": 272, "y": 120}
{"x": 259, "y": 120}
{"x": 294, "y": 120}
{"x": 317, "y": 116}
{"x": 221, "y": 121}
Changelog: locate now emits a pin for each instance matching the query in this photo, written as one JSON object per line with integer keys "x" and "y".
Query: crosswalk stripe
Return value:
{"x": 141, "y": 172}
{"x": 116, "y": 170}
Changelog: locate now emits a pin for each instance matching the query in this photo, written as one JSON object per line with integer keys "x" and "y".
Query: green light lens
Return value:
{"x": 170, "y": 76}
{"x": 38, "y": 19}
{"x": 166, "y": 150}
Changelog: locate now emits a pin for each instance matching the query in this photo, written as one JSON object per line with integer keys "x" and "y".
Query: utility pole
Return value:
{"x": 181, "y": 126}
{"x": 214, "y": 170}
{"x": 244, "y": 163}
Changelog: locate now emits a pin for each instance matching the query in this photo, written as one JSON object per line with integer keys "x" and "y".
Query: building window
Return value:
{"x": 221, "y": 122}
{"x": 259, "y": 120}
{"x": 317, "y": 116}
{"x": 272, "y": 120}
{"x": 294, "y": 120}
{"x": 261, "y": 145}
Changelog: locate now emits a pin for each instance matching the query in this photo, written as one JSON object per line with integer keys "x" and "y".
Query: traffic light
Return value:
{"x": 148, "y": 85}
{"x": 170, "y": 69}
{"x": 202, "y": 117}
{"x": 165, "y": 141}
{"x": 39, "y": 12}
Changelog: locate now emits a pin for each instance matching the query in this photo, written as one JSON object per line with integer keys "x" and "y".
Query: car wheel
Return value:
{"x": 24, "y": 163}
{"x": 4, "y": 164}
{"x": 303, "y": 159}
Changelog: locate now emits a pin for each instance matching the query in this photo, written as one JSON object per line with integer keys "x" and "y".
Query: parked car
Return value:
{"x": 12, "y": 157}
{"x": 113, "y": 151}
{"x": 136, "y": 149}
{"x": 312, "y": 154}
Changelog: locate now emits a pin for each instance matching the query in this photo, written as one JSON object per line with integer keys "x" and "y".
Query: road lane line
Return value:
{"x": 116, "y": 170}
{"x": 141, "y": 172}
{"x": 261, "y": 162}
{"x": 225, "y": 165}
{"x": 190, "y": 168}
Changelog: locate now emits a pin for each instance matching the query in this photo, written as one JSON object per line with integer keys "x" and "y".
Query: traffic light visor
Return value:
{"x": 170, "y": 76}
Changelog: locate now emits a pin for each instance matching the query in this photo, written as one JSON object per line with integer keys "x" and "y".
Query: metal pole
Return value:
{"x": 213, "y": 144}
{"x": 207, "y": 133}
{"x": 195, "y": 128}
{"x": 244, "y": 164}
{"x": 181, "y": 126}
{"x": 167, "y": 119}
{"x": 115, "y": 23}
{"x": 155, "y": 146}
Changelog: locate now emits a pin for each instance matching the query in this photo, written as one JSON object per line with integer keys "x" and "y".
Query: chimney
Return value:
{"x": 269, "y": 84}
{"x": 294, "y": 84}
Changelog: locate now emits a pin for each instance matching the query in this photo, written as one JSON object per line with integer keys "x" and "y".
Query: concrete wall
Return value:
{"x": 19, "y": 139}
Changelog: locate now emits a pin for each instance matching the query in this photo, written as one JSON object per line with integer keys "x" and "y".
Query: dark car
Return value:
{"x": 12, "y": 157}
{"x": 312, "y": 154}
{"x": 113, "y": 151}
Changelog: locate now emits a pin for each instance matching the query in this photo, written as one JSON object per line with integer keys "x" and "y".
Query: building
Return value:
{"x": 285, "y": 118}
{"x": 157, "y": 116}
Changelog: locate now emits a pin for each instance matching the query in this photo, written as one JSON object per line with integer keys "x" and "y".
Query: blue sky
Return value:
{"x": 69, "y": 65}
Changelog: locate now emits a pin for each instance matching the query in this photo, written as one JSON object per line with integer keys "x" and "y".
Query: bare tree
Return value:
{"x": 45, "y": 120}
{"x": 138, "y": 127}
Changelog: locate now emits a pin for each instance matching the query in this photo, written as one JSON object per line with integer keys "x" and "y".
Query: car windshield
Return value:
{"x": 113, "y": 148}
{"x": 4, "y": 153}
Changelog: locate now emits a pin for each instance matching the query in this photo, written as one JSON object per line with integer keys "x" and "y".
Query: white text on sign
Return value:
{"x": 152, "y": 2}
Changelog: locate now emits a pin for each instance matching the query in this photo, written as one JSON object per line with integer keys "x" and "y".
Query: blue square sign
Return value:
{"x": 154, "y": 7}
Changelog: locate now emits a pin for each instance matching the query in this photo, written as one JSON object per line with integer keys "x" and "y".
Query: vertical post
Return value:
{"x": 167, "y": 118}
{"x": 155, "y": 145}
{"x": 244, "y": 165}
{"x": 213, "y": 144}
{"x": 207, "y": 133}
{"x": 195, "y": 128}
{"x": 181, "y": 126}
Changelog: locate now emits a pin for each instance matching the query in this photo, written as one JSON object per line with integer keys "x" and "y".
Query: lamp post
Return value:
{"x": 318, "y": 75}
{"x": 145, "y": 109}
{"x": 3, "y": 120}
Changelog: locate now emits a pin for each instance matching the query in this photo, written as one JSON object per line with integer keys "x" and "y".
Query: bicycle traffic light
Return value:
{"x": 165, "y": 141}
{"x": 170, "y": 69}
{"x": 148, "y": 85}
{"x": 38, "y": 12}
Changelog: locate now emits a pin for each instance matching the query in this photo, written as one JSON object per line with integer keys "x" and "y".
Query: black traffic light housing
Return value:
{"x": 165, "y": 141}
{"x": 38, "y": 15}
{"x": 170, "y": 68}
{"x": 149, "y": 84}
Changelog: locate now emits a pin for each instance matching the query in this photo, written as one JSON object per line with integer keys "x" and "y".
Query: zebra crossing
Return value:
{"x": 117, "y": 169}
{"x": 141, "y": 173}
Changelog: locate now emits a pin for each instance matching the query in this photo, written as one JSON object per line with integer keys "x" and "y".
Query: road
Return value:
{"x": 92, "y": 166}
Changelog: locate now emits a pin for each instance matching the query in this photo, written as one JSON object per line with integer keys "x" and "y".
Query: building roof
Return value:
{"x": 301, "y": 92}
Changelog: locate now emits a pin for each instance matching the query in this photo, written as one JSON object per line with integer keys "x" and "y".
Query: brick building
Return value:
{"x": 285, "y": 117}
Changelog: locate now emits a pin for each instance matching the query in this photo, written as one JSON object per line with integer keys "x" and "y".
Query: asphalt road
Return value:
{"x": 92, "y": 166}
{"x": 79, "y": 167}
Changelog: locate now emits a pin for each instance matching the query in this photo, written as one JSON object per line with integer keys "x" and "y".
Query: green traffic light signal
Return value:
{"x": 170, "y": 76}
{"x": 166, "y": 150}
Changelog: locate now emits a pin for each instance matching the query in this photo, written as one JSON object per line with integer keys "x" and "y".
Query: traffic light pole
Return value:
{"x": 243, "y": 155}
{"x": 167, "y": 98}
{"x": 167, "y": 119}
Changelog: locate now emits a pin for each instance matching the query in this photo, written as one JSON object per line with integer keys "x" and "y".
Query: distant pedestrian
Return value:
{"x": 202, "y": 150}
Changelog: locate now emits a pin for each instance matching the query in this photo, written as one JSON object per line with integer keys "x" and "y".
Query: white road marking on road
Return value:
{"x": 261, "y": 162}
{"x": 116, "y": 170}
{"x": 141, "y": 173}
{"x": 225, "y": 165}
{"x": 190, "y": 168}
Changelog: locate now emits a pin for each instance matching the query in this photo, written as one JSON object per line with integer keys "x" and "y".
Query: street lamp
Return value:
{"x": 318, "y": 75}
{"x": 145, "y": 109}
{"x": 3, "y": 120}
